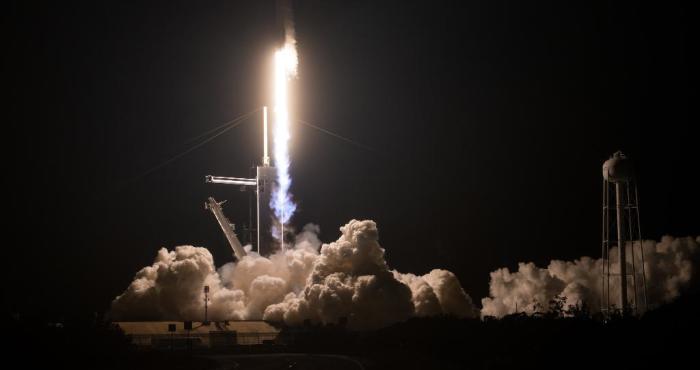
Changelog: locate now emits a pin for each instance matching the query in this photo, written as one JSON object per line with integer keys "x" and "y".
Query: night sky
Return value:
{"x": 486, "y": 122}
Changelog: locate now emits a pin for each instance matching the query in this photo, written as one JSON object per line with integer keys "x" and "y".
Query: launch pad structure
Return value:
{"x": 262, "y": 184}
{"x": 227, "y": 227}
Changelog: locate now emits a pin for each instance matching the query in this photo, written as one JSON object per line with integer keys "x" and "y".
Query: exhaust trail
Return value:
{"x": 285, "y": 69}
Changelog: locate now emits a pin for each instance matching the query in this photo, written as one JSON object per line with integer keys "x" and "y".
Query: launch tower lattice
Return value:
{"x": 262, "y": 184}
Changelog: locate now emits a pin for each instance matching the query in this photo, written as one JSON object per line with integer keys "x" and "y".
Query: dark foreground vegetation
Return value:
{"x": 665, "y": 338}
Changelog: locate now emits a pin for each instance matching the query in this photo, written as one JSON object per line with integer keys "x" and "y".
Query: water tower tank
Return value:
{"x": 618, "y": 168}
{"x": 622, "y": 240}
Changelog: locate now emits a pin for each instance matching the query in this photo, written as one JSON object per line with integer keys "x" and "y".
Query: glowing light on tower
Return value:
{"x": 285, "y": 69}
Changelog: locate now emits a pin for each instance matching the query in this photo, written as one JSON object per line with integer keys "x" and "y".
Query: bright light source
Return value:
{"x": 285, "y": 69}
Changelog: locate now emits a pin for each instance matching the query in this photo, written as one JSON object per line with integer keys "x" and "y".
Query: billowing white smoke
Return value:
{"x": 669, "y": 266}
{"x": 348, "y": 279}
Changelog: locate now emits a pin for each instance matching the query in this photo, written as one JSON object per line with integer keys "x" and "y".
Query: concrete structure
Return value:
{"x": 185, "y": 335}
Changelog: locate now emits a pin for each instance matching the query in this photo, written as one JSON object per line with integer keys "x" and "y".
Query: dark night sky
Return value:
{"x": 489, "y": 120}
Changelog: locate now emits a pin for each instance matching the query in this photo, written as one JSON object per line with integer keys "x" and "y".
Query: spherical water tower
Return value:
{"x": 623, "y": 256}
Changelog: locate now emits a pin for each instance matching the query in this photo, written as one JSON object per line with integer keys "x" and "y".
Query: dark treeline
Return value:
{"x": 666, "y": 338}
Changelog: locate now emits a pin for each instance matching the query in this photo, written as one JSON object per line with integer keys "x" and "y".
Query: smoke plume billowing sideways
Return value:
{"x": 348, "y": 279}
{"x": 669, "y": 264}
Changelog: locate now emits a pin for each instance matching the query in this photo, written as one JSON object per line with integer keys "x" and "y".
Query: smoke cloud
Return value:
{"x": 286, "y": 18}
{"x": 346, "y": 280}
{"x": 669, "y": 265}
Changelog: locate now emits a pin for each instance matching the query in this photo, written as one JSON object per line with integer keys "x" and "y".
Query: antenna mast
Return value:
{"x": 266, "y": 158}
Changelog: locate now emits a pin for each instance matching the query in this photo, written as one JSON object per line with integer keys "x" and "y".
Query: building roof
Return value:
{"x": 161, "y": 327}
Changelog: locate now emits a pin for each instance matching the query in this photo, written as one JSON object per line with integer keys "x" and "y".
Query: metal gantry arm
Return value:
{"x": 262, "y": 185}
{"x": 215, "y": 208}
{"x": 230, "y": 180}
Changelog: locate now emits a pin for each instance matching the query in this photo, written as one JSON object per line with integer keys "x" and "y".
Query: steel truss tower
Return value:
{"x": 262, "y": 184}
{"x": 624, "y": 286}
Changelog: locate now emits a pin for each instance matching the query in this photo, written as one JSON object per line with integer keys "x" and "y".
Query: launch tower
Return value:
{"x": 262, "y": 184}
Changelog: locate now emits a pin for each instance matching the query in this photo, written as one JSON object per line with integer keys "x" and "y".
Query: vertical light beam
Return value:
{"x": 266, "y": 158}
{"x": 285, "y": 70}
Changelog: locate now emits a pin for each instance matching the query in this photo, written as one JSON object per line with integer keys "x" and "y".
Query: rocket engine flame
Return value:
{"x": 285, "y": 70}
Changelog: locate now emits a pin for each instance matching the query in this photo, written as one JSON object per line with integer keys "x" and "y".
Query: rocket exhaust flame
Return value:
{"x": 285, "y": 69}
